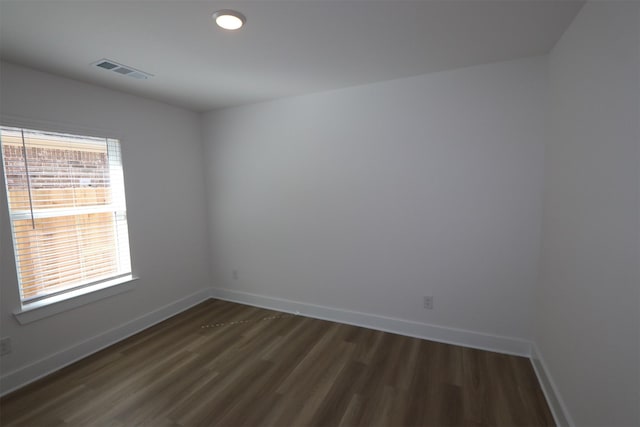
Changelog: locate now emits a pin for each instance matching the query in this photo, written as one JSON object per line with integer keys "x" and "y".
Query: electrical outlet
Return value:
{"x": 5, "y": 346}
{"x": 235, "y": 274}
{"x": 428, "y": 302}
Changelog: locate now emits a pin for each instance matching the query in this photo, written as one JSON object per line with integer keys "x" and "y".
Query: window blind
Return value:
{"x": 67, "y": 209}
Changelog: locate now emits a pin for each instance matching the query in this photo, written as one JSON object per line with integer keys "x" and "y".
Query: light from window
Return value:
{"x": 67, "y": 209}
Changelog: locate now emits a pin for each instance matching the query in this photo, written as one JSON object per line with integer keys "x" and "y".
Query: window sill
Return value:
{"x": 68, "y": 301}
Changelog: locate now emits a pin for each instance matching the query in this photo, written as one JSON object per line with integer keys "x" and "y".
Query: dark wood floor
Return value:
{"x": 221, "y": 363}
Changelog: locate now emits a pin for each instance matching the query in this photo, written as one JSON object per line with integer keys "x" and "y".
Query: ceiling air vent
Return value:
{"x": 125, "y": 70}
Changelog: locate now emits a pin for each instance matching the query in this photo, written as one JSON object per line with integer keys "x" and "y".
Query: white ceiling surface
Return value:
{"x": 286, "y": 48}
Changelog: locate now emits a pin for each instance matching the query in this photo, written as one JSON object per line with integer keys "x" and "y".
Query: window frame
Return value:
{"x": 78, "y": 296}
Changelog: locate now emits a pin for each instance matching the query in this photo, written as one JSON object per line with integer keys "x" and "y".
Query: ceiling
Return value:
{"x": 286, "y": 48}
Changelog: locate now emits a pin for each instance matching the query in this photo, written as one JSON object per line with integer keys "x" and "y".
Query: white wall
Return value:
{"x": 587, "y": 323}
{"x": 164, "y": 181}
{"x": 369, "y": 198}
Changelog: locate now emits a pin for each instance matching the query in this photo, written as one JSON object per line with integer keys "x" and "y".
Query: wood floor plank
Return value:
{"x": 227, "y": 364}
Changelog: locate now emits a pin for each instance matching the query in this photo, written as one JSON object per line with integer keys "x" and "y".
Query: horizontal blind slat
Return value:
{"x": 70, "y": 276}
{"x": 96, "y": 258}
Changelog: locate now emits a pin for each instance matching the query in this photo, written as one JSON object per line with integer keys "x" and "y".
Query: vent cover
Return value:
{"x": 125, "y": 70}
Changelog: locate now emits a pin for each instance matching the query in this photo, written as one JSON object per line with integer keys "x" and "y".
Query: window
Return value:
{"x": 67, "y": 210}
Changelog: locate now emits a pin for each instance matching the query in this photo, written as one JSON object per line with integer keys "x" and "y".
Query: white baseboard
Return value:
{"x": 34, "y": 371}
{"x": 554, "y": 399}
{"x": 410, "y": 328}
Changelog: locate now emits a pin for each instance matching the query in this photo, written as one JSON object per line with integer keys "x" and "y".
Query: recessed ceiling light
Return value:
{"x": 229, "y": 19}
